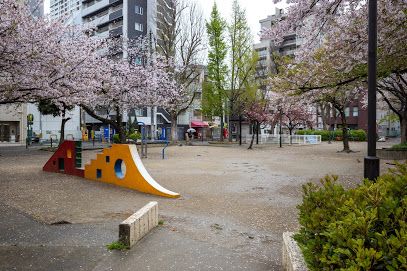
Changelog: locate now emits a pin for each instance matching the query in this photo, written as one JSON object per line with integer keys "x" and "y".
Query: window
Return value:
{"x": 139, "y": 27}
{"x": 139, "y": 10}
{"x": 347, "y": 110}
{"x": 355, "y": 111}
{"x": 138, "y": 60}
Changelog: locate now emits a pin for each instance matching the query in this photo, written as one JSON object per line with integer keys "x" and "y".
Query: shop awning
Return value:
{"x": 199, "y": 124}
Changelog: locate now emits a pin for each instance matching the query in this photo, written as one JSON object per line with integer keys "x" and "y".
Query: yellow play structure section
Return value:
{"x": 121, "y": 165}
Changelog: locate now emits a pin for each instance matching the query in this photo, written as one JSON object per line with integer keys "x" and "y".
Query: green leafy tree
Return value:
{"x": 243, "y": 61}
{"x": 214, "y": 89}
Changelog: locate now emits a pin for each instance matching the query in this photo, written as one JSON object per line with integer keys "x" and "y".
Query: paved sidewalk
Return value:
{"x": 26, "y": 244}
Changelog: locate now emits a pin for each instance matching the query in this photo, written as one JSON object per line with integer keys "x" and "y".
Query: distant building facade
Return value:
{"x": 64, "y": 9}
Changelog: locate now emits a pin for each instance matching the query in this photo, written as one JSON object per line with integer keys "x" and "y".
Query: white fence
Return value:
{"x": 294, "y": 139}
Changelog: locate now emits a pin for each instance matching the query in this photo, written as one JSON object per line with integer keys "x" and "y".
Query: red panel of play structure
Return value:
{"x": 67, "y": 159}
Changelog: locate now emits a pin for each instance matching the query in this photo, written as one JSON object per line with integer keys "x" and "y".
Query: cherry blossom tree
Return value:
{"x": 139, "y": 79}
{"x": 393, "y": 91}
{"x": 332, "y": 58}
{"x": 292, "y": 111}
{"x": 64, "y": 66}
{"x": 257, "y": 112}
{"x": 42, "y": 60}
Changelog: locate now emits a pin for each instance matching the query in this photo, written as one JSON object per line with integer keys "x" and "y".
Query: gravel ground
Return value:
{"x": 235, "y": 203}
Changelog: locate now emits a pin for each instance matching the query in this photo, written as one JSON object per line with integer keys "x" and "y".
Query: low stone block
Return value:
{"x": 293, "y": 259}
{"x": 139, "y": 224}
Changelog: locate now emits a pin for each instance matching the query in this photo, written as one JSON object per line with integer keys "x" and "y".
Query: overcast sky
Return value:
{"x": 255, "y": 10}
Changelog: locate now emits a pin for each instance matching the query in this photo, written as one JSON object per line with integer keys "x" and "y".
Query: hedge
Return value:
{"x": 363, "y": 228}
{"x": 355, "y": 135}
{"x": 402, "y": 146}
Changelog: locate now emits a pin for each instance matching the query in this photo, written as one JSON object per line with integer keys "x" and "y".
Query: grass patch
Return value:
{"x": 117, "y": 245}
{"x": 160, "y": 222}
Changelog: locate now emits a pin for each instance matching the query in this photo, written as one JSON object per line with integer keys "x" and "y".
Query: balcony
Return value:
{"x": 100, "y": 5}
{"x": 116, "y": 15}
{"x": 101, "y": 20}
{"x": 116, "y": 32}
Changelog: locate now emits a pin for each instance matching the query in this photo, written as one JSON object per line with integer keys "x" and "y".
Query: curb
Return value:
{"x": 293, "y": 259}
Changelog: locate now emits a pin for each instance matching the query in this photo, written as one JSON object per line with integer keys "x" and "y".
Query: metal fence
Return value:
{"x": 293, "y": 139}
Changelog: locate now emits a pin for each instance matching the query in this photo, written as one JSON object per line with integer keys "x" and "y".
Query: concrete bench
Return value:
{"x": 139, "y": 224}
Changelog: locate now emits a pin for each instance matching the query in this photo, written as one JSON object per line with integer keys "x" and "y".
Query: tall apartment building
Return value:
{"x": 266, "y": 48}
{"x": 128, "y": 18}
{"x": 64, "y": 8}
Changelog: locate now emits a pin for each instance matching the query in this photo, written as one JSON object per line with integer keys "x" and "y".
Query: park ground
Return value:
{"x": 235, "y": 205}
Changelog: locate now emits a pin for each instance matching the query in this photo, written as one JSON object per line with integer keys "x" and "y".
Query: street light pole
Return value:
{"x": 372, "y": 163}
{"x": 281, "y": 128}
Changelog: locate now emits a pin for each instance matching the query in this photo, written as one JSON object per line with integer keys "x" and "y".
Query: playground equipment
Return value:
{"x": 120, "y": 165}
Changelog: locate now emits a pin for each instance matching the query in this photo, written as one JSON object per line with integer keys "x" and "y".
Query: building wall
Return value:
{"x": 46, "y": 125}
{"x": 13, "y": 123}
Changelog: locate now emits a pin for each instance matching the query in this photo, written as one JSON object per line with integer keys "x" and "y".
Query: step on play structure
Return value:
{"x": 119, "y": 165}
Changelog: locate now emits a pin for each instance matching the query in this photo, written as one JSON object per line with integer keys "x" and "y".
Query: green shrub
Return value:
{"x": 116, "y": 139}
{"x": 134, "y": 136}
{"x": 364, "y": 228}
{"x": 358, "y": 135}
{"x": 400, "y": 146}
{"x": 355, "y": 135}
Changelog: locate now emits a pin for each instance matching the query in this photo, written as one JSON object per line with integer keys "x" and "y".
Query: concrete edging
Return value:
{"x": 392, "y": 154}
{"x": 293, "y": 259}
{"x": 139, "y": 224}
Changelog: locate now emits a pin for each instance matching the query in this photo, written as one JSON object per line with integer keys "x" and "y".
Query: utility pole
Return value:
{"x": 372, "y": 163}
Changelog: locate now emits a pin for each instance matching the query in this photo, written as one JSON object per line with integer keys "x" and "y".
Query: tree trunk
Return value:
{"x": 119, "y": 127}
{"x": 257, "y": 132}
{"x": 291, "y": 133}
{"x": 63, "y": 122}
{"x": 240, "y": 130}
{"x": 345, "y": 136}
{"x": 251, "y": 142}
{"x": 403, "y": 128}
{"x": 325, "y": 115}
{"x": 174, "y": 128}
{"x": 229, "y": 129}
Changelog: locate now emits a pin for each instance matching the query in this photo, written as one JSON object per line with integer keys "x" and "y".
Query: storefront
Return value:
{"x": 9, "y": 131}
{"x": 201, "y": 128}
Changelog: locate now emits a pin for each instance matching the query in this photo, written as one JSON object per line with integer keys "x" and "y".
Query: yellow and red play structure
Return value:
{"x": 120, "y": 165}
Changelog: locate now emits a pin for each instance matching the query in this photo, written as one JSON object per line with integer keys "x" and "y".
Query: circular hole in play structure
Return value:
{"x": 120, "y": 168}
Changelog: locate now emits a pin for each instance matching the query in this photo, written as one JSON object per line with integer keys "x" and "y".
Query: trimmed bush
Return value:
{"x": 134, "y": 136}
{"x": 400, "y": 146}
{"x": 354, "y": 135}
{"x": 358, "y": 135}
{"x": 364, "y": 228}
